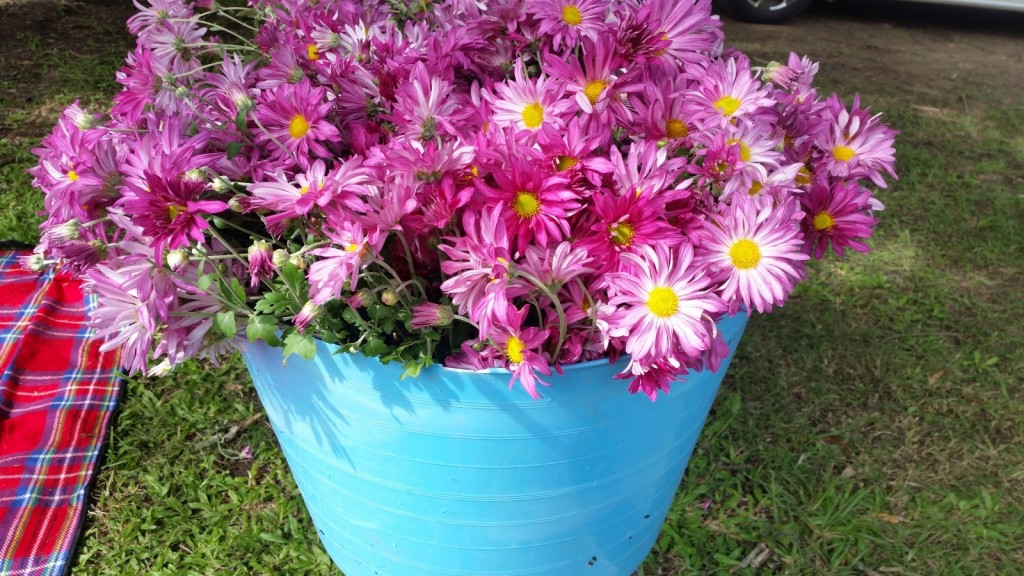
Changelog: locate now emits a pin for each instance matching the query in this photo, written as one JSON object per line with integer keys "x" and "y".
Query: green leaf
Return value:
{"x": 233, "y": 149}
{"x": 292, "y": 276}
{"x": 204, "y": 281}
{"x": 375, "y": 347}
{"x": 237, "y": 290}
{"x": 263, "y": 328}
{"x": 225, "y": 323}
{"x": 379, "y": 311}
{"x": 301, "y": 344}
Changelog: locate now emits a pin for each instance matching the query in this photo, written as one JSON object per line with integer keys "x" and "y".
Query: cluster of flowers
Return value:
{"x": 492, "y": 183}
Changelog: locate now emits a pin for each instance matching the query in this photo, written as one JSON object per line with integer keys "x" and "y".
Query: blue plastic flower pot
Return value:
{"x": 453, "y": 474}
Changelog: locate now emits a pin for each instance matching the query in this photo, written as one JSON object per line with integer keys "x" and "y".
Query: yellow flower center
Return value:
{"x": 755, "y": 187}
{"x": 533, "y": 115}
{"x": 662, "y": 302}
{"x": 661, "y": 51}
{"x": 823, "y": 221}
{"x": 745, "y": 254}
{"x": 312, "y": 53}
{"x": 474, "y": 171}
{"x": 676, "y": 128}
{"x": 514, "y": 350}
{"x": 352, "y": 248}
{"x": 727, "y": 105}
{"x": 298, "y": 127}
{"x": 571, "y": 15}
{"x": 744, "y": 149}
{"x": 593, "y": 90}
{"x": 622, "y": 234}
{"x": 174, "y": 209}
{"x": 526, "y": 204}
{"x": 303, "y": 191}
{"x": 72, "y": 175}
{"x": 803, "y": 176}
{"x": 565, "y": 162}
{"x": 843, "y": 153}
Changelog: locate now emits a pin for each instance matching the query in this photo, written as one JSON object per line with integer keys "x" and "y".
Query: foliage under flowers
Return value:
{"x": 517, "y": 183}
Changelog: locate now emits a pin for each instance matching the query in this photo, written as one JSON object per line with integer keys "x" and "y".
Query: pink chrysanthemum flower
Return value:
{"x": 624, "y": 223}
{"x": 293, "y": 123}
{"x": 837, "y": 216}
{"x": 519, "y": 345}
{"x": 568, "y": 21}
{"x": 170, "y": 211}
{"x": 727, "y": 92}
{"x": 339, "y": 265}
{"x": 756, "y": 253}
{"x": 425, "y": 109}
{"x": 555, "y": 268}
{"x": 591, "y": 82}
{"x": 856, "y": 145}
{"x": 757, "y": 154}
{"x": 536, "y": 205}
{"x": 121, "y": 318}
{"x": 659, "y": 108}
{"x": 688, "y": 27}
{"x": 147, "y": 82}
{"x": 572, "y": 154}
{"x": 651, "y": 378}
{"x": 478, "y": 267}
{"x": 665, "y": 302}
{"x": 431, "y": 315}
{"x": 530, "y": 105}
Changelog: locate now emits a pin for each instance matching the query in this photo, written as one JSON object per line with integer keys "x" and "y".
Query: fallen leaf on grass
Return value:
{"x": 837, "y": 441}
{"x": 935, "y": 377}
{"x": 889, "y": 518}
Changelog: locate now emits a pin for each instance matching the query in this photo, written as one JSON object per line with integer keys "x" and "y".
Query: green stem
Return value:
{"x": 562, "y": 324}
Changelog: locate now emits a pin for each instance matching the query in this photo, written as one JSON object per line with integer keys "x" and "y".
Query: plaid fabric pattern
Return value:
{"x": 58, "y": 392}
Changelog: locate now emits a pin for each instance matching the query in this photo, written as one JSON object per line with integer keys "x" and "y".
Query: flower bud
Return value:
{"x": 235, "y": 205}
{"x": 65, "y": 232}
{"x": 280, "y": 257}
{"x": 181, "y": 92}
{"x": 220, "y": 184}
{"x": 389, "y": 297}
{"x": 431, "y": 315}
{"x": 177, "y": 259}
{"x": 309, "y": 312}
{"x": 36, "y": 263}
{"x": 298, "y": 261}
{"x": 194, "y": 175}
{"x": 243, "y": 103}
{"x": 361, "y": 298}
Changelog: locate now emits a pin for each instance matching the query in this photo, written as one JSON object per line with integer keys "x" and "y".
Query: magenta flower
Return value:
{"x": 624, "y": 223}
{"x": 170, "y": 211}
{"x": 121, "y": 318}
{"x": 567, "y": 21}
{"x": 520, "y": 347}
{"x": 666, "y": 303}
{"x": 856, "y": 145}
{"x": 293, "y": 123}
{"x": 727, "y": 92}
{"x": 757, "y": 254}
{"x": 837, "y": 216}
{"x": 530, "y": 104}
{"x": 536, "y": 204}
{"x": 340, "y": 264}
{"x": 478, "y": 268}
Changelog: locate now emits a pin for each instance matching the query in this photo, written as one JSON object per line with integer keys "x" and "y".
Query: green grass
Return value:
{"x": 872, "y": 426}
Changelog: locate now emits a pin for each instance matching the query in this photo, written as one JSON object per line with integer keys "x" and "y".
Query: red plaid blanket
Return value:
{"x": 57, "y": 395}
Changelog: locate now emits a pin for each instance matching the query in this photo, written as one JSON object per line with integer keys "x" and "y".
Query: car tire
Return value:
{"x": 763, "y": 11}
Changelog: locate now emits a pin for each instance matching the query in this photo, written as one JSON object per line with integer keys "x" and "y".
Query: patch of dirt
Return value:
{"x": 943, "y": 59}
{"x": 35, "y": 32}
